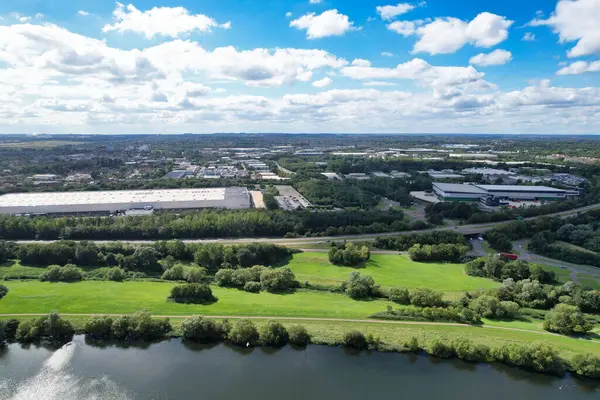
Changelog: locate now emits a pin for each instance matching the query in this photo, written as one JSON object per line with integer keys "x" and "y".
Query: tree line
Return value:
{"x": 405, "y": 242}
{"x": 205, "y": 224}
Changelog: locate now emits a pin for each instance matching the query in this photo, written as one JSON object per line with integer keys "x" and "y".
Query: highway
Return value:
{"x": 464, "y": 229}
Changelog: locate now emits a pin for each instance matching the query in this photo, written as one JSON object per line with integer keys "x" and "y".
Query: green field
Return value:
{"x": 388, "y": 271}
{"x": 42, "y": 144}
{"x": 112, "y": 297}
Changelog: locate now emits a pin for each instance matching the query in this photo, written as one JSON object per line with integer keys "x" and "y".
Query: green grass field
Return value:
{"x": 112, "y": 297}
{"x": 42, "y": 144}
{"x": 389, "y": 270}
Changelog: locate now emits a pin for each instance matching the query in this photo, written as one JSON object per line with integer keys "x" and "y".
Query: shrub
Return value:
{"x": 49, "y": 328}
{"x": 355, "y": 340}
{"x": 298, "y": 335}
{"x": 199, "y": 329}
{"x": 115, "y": 274}
{"x": 440, "y": 349}
{"x": 252, "y": 287}
{"x": 349, "y": 255}
{"x": 567, "y": 320}
{"x": 195, "y": 275}
{"x": 276, "y": 280}
{"x": 3, "y": 291}
{"x": 243, "y": 333}
{"x": 273, "y": 334}
{"x": 10, "y": 328}
{"x": 68, "y": 273}
{"x": 197, "y": 293}
{"x": 399, "y": 295}
{"x": 99, "y": 327}
{"x": 412, "y": 344}
{"x": 586, "y": 365}
{"x": 425, "y": 297}
{"x": 175, "y": 273}
{"x": 224, "y": 277}
{"x": 545, "y": 358}
{"x": 360, "y": 287}
{"x": 140, "y": 326}
{"x": 468, "y": 351}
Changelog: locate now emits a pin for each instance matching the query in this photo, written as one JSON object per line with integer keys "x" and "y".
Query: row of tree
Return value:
{"x": 202, "y": 224}
{"x": 256, "y": 278}
{"x": 493, "y": 266}
{"x": 438, "y": 252}
{"x": 405, "y": 242}
{"x": 348, "y": 254}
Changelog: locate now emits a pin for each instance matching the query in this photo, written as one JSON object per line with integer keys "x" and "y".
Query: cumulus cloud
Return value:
{"x": 328, "y": 23}
{"x": 579, "y": 67}
{"x": 380, "y": 83}
{"x": 288, "y": 14}
{"x": 314, "y": 1}
{"x": 83, "y": 13}
{"x": 576, "y": 21}
{"x": 496, "y": 57}
{"x": 390, "y": 12}
{"x": 528, "y": 37}
{"x": 322, "y": 82}
{"x": 387, "y": 54}
{"x": 163, "y": 21}
{"x": 447, "y": 35}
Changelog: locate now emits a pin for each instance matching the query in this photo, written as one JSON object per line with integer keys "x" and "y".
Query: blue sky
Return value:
{"x": 300, "y": 66}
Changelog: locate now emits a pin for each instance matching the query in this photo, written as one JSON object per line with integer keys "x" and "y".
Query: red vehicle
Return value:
{"x": 509, "y": 256}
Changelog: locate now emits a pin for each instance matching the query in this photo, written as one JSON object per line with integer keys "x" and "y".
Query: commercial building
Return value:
{"x": 458, "y": 192}
{"x": 522, "y": 192}
{"x": 120, "y": 201}
{"x": 468, "y": 192}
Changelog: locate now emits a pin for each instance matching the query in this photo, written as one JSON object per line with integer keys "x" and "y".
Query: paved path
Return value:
{"x": 392, "y": 252}
{"x": 464, "y": 229}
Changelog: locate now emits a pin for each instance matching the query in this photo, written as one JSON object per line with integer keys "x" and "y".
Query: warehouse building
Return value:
{"x": 466, "y": 192}
{"x": 458, "y": 192}
{"x": 121, "y": 201}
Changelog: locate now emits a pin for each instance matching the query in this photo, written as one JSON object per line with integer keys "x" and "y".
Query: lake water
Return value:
{"x": 174, "y": 370}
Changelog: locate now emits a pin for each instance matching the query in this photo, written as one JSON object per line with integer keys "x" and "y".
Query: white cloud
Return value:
{"x": 380, "y": 83}
{"x": 288, "y": 14}
{"x": 419, "y": 70}
{"x": 322, "y": 82}
{"x": 83, "y": 13}
{"x": 163, "y": 21}
{"x": 580, "y": 67}
{"x": 360, "y": 62}
{"x": 329, "y": 23}
{"x": 405, "y": 28}
{"x": 576, "y": 20}
{"x": 528, "y": 37}
{"x": 390, "y": 12}
{"x": 314, "y": 1}
{"x": 447, "y": 35}
{"x": 496, "y": 57}
{"x": 387, "y": 54}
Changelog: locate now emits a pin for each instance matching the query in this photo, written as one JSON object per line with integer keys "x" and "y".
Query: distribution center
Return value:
{"x": 120, "y": 201}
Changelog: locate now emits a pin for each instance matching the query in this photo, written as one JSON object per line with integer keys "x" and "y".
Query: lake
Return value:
{"x": 175, "y": 370}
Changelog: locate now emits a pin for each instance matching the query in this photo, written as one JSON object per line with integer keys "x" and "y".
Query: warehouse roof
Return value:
{"x": 458, "y": 188}
{"x": 519, "y": 188}
{"x": 117, "y": 197}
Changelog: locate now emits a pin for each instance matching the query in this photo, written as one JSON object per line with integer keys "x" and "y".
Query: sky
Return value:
{"x": 352, "y": 66}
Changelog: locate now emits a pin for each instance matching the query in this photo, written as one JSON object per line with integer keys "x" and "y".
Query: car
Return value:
{"x": 564, "y": 268}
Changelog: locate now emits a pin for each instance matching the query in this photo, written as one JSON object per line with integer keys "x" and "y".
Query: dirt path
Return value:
{"x": 281, "y": 318}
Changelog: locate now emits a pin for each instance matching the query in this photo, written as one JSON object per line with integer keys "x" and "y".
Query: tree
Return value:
{"x": 195, "y": 275}
{"x": 49, "y": 328}
{"x": 349, "y": 255}
{"x": 468, "y": 351}
{"x": 355, "y": 340}
{"x": 425, "y": 297}
{"x": 243, "y": 333}
{"x": 98, "y": 327}
{"x": 175, "y": 273}
{"x": 586, "y": 365}
{"x": 439, "y": 349}
{"x": 567, "y": 320}
{"x": 68, "y": 273}
{"x": 276, "y": 280}
{"x": 197, "y": 293}
{"x": 252, "y": 287}
{"x": 3, "y": 291}
{"x": 200, "y": 329}
{"x": 273, "y": 334}
{"x": 298, "y": 335}
{"x": 399, "y": 295}
{"x": 116, "y": 274}
{"x": 139, "y": 326}
{"x": 545, "y": 358}
{"x": 360, "y": 287}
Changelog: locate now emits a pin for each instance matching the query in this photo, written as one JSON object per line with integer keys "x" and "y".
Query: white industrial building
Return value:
{"x": 110, "y": 202}
{"x": 467, "y": 192}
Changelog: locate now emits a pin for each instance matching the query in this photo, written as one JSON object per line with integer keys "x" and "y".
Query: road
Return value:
{"x": 392, "y": 252}
{"x": 521, "y": 245}
{"x": 464, "y": 229}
